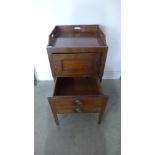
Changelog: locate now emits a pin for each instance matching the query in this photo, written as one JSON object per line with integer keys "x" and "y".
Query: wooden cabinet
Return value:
{"x": 77, "y": 56}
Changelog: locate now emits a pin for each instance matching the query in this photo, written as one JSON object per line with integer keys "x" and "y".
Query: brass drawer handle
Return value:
{"x": 77, "y": 102}
{"x": 77, "y": 110}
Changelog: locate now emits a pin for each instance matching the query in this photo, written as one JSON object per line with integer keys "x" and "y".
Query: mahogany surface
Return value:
{"x": 77, "y": 55}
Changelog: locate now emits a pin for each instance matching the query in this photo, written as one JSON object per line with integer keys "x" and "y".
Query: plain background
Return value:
{"x": 17, "y": 44}
{"x": 106, "y": 13}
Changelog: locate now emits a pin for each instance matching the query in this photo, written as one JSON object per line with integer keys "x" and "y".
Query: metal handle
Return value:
{"x": 77, "y": 102}
{"x": 77, "y": 110}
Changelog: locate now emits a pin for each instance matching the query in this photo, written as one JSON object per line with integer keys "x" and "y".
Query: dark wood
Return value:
{"x": 77, "y": 55}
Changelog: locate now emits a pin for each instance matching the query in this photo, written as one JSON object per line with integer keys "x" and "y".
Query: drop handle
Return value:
{"x": 77, "y": 102}
{"x": 77, "y": 110}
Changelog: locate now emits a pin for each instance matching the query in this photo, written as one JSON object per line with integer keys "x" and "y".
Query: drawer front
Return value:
{"x": 80, "y": 64}
{"x": 78, "y": 104}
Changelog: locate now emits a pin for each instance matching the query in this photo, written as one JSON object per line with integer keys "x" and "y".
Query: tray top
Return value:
{"x": 77, "y": 36}
{"x": 76, "y": 42}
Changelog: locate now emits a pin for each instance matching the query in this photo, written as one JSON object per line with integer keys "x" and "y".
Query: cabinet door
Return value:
{"x": 79, "y": 64}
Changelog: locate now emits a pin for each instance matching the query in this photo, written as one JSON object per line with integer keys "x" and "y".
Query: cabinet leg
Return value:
{"x": 100, "y": 117}
{"x": 55, "y": 115}
{"x": 53, "y": 111}
{"x": 56, "y": 118}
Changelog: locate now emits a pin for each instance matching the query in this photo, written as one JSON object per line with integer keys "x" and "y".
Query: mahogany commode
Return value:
{"x": 77, "y": 55}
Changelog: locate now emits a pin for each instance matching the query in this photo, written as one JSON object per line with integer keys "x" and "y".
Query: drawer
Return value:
{"x": 85, "y": 104}
{"x": 77, "y": 95}
{"x": 79, "y": 64}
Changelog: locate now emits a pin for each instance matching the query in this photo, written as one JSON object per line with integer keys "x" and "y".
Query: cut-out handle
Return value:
{"x": 77, "y": 28}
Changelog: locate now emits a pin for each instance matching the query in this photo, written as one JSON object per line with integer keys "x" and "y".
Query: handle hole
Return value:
{"x": 77, "y": 28}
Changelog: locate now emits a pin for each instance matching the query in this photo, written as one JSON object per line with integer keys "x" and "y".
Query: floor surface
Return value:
{"x": 77, "y": 134}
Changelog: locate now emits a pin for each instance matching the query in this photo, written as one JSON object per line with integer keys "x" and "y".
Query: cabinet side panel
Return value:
{"x": 103, "y": 57}
{"x": 51, "y": 62}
